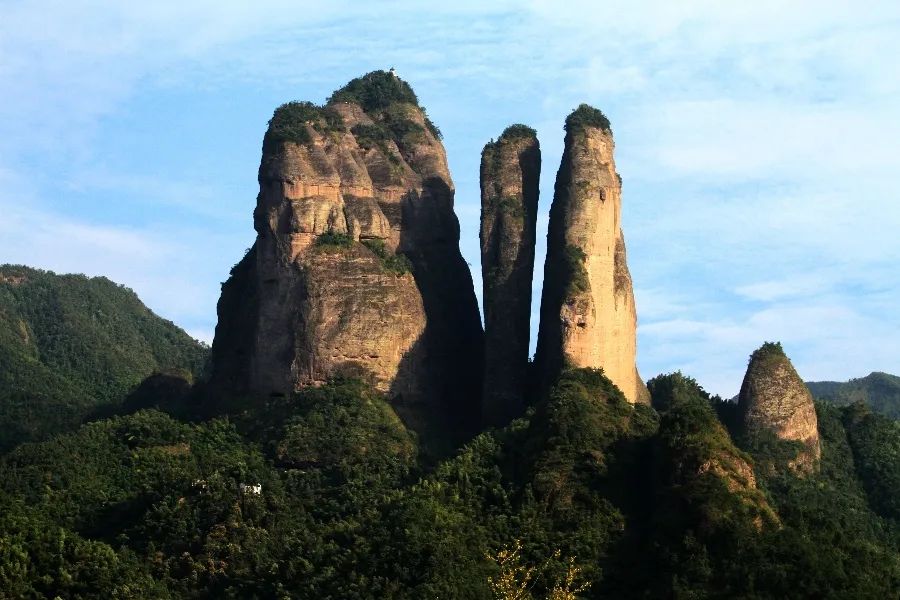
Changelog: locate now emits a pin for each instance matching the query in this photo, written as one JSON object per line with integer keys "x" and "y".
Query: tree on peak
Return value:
{"x": 518, "y": 131}
{"x": 375, "y": 90}
{"x": 586, "y": 116}
{"x": 291, "y": 120}
{"x": 768, "y": 350}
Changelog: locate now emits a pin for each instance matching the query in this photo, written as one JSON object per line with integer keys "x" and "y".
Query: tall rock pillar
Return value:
{"x": 510, "y": 174}
{"x": 588, "y": 316}
{"x": 356, "y": 267}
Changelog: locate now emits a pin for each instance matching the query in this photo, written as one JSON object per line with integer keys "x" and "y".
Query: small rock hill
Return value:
{"x": 774, "y": 399}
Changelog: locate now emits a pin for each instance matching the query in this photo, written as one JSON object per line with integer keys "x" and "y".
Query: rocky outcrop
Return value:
{"x": 774, "y": 399}
{"x": 356, "y": 266}
{"x": 12, "y": 279}
{"x": 510, "y": 173}
{"x": 588, "y": 316}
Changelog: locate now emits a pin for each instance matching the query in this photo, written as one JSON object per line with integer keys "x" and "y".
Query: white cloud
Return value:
{"x": 192, "y": 198}
{"x": 783, "y": 289}
{"x": 737, "y": 140}
{"x": 169, "y": 267}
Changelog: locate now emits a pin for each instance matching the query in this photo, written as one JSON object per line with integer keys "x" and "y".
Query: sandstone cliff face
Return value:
{"x": 774, "y": 399}
{"x": 356, "y": 266}
{"x": 510, "y": 173}
{"x": 588, "y": 316}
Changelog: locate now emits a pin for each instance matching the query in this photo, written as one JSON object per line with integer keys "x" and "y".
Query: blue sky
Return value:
{"x": 759, "y": 143}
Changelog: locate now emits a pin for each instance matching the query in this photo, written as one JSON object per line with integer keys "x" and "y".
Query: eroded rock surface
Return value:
{"x": 774, "y": 399}
{"x": 510, "y": 173}
{"x": 588, "y": 316}
{"x": 356, "y": 266}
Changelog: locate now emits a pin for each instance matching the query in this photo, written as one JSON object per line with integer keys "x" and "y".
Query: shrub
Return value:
{"x": 331, "y": 121}
{"x": 397, "y": 264}
{"x": 290, "y": 121}
{"x": 347, "y": 431}
{"x": 509, "y": 205}
{"x": 768, "y": 350}
{"x": 369, "y": 136}
{"x": 375, "y": 136}
{"x": 377, "y": 247}
{"x": 514, "y": 132}
{"x": 404, "y": 131}
{"x": 434, "y": 129}
{"x": 379, "y": 90}
{"x": 390, "y": 262}
{"x": 577, "y": 276}
{"x": 333, "y": 239}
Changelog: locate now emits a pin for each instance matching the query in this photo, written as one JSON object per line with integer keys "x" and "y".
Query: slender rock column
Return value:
{"x": 510, "y": 174}
{"x": 588, "y": 317}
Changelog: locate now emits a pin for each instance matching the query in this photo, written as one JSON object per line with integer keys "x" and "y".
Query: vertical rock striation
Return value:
{"x": 356, "y": 265}
{"x": 510, "y": 174}
{"x": 774, "y": 399}
{"x": 588, "y": 316}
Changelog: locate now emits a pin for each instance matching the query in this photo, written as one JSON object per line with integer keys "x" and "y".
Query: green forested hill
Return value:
{"x": 880, "y": 391}
{"x": 585, "y": 497}
{"x": 70, "y": 345}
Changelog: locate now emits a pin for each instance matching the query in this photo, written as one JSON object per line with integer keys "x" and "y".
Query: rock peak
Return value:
{"x": 774, "y": 399}
{"x": 356, "y": 266}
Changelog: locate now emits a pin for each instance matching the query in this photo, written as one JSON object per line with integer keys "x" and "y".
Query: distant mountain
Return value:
{"x": 880, "y": 391}
{"x": 72, "y": 345}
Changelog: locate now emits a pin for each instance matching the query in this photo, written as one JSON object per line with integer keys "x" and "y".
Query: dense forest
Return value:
{"x": 72, "y": 348}
{"x": 327, "y": 495}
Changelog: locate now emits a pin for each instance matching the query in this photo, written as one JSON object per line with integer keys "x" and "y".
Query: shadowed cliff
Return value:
{"x": 510, "y": 173}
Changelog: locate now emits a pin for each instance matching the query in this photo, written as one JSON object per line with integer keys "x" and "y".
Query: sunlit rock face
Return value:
{"x": 588, "y": 316}
{"x": 510, "y": 173}
{"x": 356, "y": 267}
{"x": 774, "y": 399}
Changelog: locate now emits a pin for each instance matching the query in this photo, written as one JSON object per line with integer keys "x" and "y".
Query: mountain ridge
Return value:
{"x": 879, "y": 390}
